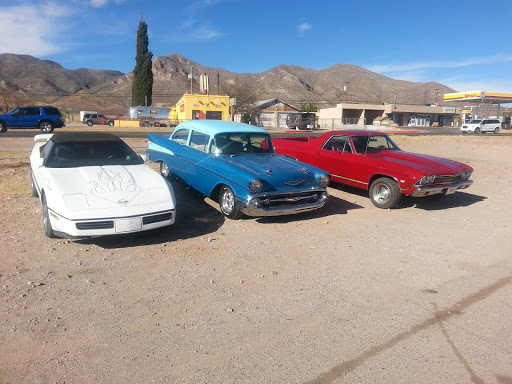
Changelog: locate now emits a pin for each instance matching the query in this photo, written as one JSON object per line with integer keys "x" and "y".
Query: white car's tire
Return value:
{"x": 34, "y": 192}
{"x": 48, "y": 230}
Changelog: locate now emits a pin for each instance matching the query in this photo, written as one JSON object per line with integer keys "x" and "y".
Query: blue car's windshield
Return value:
{"x": 240, "y": 143}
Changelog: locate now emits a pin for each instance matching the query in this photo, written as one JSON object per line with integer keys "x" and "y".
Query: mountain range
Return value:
{"x": 109, "y": 92}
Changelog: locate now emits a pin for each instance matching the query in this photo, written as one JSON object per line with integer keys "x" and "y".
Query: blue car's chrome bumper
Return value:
{"x": 283, "y": 204}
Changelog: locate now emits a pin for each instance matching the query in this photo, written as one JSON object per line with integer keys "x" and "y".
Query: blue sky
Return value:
{"x": 463, "y": 44}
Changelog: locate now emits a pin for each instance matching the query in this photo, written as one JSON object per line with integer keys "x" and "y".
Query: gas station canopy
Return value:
{"x": 480, "y": 97}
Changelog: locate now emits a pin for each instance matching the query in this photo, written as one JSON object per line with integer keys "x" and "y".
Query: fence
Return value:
{"x": 346, "y": 123}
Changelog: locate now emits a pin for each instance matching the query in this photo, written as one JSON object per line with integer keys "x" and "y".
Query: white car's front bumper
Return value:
{"x": 65, "y": 227}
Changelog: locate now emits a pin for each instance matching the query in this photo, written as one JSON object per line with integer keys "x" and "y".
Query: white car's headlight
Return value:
{"x": 324, "y": 181}
{"x": 76, "y": 201}
{"x": 256, "y": 186}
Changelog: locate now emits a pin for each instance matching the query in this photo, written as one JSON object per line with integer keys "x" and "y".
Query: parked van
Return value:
{"x": 482, "y": 125}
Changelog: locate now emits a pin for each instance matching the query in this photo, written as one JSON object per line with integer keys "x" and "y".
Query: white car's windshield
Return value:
{"x": 240, "y": 143}
{"x": 475, "y": 121}
{"x": 91, "y": 153}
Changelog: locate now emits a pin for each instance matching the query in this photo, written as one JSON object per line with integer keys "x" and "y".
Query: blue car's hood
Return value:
{"x": 277, "y": 170}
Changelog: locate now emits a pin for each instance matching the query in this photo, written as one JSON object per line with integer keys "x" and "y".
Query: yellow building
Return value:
{"x": 201, "y": 107}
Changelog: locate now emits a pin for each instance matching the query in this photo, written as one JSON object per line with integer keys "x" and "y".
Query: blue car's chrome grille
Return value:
{"x": 295, "y": 183}
{"x": 290, "y": 199}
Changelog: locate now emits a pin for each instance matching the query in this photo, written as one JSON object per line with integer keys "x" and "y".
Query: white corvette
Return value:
{"x": 94, "y": 184}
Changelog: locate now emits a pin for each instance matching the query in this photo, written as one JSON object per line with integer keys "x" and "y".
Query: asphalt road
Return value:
{"x": 275, "y": 132}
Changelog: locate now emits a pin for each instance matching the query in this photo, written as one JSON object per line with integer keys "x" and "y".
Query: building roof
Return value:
{"x": 270, "y": 102}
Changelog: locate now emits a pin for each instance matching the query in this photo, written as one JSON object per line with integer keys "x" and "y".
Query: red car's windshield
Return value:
{"x": 373, "y": 143}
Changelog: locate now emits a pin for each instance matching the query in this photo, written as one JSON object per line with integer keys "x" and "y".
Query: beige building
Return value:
{"x": 374, "y": 114}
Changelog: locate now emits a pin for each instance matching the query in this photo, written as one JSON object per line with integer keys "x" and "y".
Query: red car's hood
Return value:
{"x": 431, "y": 165}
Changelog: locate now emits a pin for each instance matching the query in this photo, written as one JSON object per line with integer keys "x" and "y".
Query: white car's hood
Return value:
{"x": 112, "y": 190}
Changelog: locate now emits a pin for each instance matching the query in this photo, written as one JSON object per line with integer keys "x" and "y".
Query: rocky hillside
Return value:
{"x": 44, "y": 81}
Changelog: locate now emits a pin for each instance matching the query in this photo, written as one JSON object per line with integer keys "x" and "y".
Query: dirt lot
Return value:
{"x": 345, "y": 294}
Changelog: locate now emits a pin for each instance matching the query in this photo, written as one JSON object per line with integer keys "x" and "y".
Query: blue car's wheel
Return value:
{"x": 164, "y": 170}
{"x": 228, "y": 204}
{"x": 46, "y": 126}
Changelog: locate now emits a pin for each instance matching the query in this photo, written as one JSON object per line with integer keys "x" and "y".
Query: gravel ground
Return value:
{"x": 346, "y": 294}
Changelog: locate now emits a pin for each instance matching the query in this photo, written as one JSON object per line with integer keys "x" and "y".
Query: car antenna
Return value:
{"x": 367, "y": 142}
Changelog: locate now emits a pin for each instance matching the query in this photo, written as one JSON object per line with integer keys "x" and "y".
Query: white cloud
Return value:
{"x": 201, "y": 32}
{"x": 303, "y": 27}
{"x": 32, "y": 30}
{"x": 406, "y": 67}
{"x": 102, "y": 3}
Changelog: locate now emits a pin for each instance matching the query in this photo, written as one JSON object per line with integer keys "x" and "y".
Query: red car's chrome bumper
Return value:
{"x": 447, "y": 189}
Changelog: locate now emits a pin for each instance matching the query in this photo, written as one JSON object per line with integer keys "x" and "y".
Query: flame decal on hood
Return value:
{"x": 115, "y": 186}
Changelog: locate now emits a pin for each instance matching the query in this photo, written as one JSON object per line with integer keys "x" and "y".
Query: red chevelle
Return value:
{"x": 371, "y": 160}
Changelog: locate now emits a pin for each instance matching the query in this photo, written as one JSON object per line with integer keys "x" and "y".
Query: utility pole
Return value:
{"x": 191, "y": 77}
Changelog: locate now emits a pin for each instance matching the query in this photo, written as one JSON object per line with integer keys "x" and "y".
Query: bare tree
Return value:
{"x": 245, "y": 95}
{"x": 10, "y": 99}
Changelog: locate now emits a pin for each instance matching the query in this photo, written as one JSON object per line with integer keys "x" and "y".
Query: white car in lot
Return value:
{"x": 94, "y": 184}
{"x": 482, "y": 125}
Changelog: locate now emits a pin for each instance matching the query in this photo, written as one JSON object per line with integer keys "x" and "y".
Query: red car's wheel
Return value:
{"x": 385, "y": 193}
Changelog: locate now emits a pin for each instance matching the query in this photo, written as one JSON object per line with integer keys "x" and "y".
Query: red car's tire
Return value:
{"x": 385, "y": 193}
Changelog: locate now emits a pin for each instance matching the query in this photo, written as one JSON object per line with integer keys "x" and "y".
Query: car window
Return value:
{"x": 181, "y": 136}
{"x": 338, "y": 143}
{"x": 199, "y": 140}
{"x": 90, "y": 153}
{"x": 373, "y": 143}
{"x": 242, "y": 143}
{"x": 32, "y": 111}
{"x": 21, "y": 112}
{"x": 51, "y": 111}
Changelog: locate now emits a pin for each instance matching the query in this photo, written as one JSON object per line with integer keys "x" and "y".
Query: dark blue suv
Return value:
{"x": 44, "y": 118}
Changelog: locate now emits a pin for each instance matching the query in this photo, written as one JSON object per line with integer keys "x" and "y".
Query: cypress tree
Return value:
{"x": 142, "y": 74}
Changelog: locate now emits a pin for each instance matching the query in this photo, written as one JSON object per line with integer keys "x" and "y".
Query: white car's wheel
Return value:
{"x": 48, "y": 231}
{"x": 33, "y": 185}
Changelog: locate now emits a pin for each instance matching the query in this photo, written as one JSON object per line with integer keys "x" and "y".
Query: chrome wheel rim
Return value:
{"x": 164, "y": 170}
{"x": 381, "y": 193}
{"x": 228, "y": 201}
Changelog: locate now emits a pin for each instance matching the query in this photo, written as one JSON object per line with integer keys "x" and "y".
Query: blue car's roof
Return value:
{"x": 213, "y": 127}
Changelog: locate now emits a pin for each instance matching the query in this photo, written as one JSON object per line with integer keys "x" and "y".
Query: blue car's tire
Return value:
{"x": 228, "y": 204}
{"x": 164, "y": 170}
{"x": 3, "y": 127}
{"x": 46, "y": 126}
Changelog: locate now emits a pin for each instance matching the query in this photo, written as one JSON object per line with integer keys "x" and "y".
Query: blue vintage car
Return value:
{"x": 235, "y": 164}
